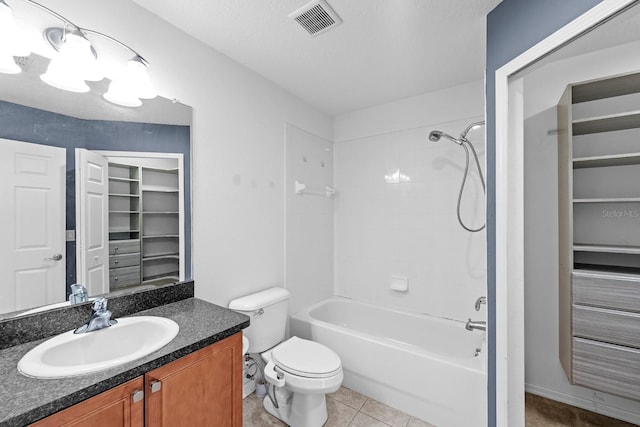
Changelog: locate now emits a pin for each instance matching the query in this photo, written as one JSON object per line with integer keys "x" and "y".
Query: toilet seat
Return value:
{"x": 306, "y": 358}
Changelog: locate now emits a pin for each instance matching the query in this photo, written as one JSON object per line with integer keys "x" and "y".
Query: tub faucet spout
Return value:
{"x": 480, "y": 325}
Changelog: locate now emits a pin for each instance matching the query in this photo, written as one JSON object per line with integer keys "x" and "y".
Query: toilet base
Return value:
{"x": 297, "y": 409}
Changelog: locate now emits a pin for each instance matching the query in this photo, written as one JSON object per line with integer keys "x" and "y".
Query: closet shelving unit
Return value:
{"x": 599, "y": 234}
{"x": 145, "y": 219}
{"x": 160, "y": 225}
{"x": 124, "y": 225}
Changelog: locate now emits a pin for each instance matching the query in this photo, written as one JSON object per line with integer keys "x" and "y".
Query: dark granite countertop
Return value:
{"x": 24, "y": 400}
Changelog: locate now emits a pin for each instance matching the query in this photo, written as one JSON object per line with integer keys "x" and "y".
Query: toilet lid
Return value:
{"x": 306, "y": 358}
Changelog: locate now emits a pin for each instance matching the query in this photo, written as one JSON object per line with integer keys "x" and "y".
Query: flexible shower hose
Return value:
{"x": 466, "y": 145}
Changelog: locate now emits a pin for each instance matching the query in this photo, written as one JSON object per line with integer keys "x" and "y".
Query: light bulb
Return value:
{"x": 7, "y": 63}
{"x": 122, "y": 94}
{"x": 72, "y": 65}
{"x": 11, "y": 41}
{"x": 139, "y": 79}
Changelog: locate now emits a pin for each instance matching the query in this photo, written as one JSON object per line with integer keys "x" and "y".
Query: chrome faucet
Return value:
{"x": 481, "y": 300}
{"x": 78, "y": 294}
{"x": 100, "y": 319}
{"x": 480, "y": 325}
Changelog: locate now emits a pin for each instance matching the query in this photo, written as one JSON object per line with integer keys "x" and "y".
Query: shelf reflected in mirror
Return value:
{"x": 34, "y": 113}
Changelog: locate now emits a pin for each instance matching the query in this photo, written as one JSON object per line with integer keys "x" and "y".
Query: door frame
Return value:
{"x": 509, "y": 176}
{"x": 181, "y": 218}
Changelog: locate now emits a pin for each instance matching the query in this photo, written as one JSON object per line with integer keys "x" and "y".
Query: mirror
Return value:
{"x": 37, "y": 115}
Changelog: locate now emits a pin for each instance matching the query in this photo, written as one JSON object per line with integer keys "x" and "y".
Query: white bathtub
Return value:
{"x": 422, "y": 365}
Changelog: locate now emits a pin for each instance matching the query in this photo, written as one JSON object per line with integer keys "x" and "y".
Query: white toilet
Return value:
{"x": 301, "y": 371}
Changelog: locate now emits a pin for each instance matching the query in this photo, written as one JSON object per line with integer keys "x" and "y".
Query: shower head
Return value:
{"x": 472, "y": 126}
{"x": 435, "y": 136}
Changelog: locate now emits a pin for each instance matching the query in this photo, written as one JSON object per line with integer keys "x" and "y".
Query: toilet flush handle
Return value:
{"x": 274, "y": 375}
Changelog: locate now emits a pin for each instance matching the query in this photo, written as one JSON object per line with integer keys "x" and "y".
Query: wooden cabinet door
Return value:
{"x": 113, "y": 408}
{"x": 203, "y": 388}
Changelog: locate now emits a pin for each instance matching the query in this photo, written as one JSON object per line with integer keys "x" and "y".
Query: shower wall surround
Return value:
{"x": 309, "y": 218}
{"x": 396, "y": 210}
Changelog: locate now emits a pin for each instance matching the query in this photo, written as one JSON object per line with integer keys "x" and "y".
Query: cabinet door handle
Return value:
{"x": 155, "y": 386}
{"x": 137, "y": 396}
{"x": 117, "y": 261}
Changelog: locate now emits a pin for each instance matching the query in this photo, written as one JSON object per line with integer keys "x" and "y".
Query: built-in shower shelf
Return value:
{"x": 301, "y": 189}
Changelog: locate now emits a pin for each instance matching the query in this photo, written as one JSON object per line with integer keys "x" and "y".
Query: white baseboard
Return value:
{"x": 588, "y": 404}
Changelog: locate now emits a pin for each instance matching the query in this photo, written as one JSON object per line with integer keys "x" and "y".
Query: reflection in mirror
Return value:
{"x": 42, "y": 133}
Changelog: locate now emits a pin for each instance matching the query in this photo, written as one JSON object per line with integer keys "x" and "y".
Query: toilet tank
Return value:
{"x": 268, "y": 311}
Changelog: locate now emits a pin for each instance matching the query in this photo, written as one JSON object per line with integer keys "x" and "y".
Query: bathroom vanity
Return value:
{"x": 193, "y": 380}
{"x": 199, "y": 389}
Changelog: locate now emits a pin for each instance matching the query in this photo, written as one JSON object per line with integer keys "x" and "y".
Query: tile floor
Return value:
{"x": 346, "y": 408}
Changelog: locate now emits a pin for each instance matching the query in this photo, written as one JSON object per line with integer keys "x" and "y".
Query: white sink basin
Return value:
{"x": 70, "y": 354}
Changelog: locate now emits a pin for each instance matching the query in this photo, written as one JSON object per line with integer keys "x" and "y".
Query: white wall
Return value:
{"x": 309, "y": 219}
{"x": 237, "y": 147}
{"x": 409, "y": 229}
{"x": 543, "y": 373}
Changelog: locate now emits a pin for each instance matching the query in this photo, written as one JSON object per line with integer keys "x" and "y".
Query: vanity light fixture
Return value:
{"x": 73, "y": 64}
{"x": 11, "y": 42}
{"x": 76, "y": 61}
{"x": 131, "y": 85}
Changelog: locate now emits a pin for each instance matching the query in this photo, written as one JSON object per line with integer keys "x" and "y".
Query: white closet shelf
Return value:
{"x": 613, "y": 249}
{"x": 120, "y": 179}
{"x": 161, "y": 236}
{"x": 160, "y": 254}
{"x": 161, "y": 212}
{"x": 125, "y": 212}
{"x": 153, "y": 189}
{"x": 607, "y": 123}
{"x": 608, "y": 200}
{"x": 162, "y": 279}
{"x": 168, "y": 170}
{"x": 604, "y": 161}
{"x": 161, "y": 257}
{"x": 123, "y": 195}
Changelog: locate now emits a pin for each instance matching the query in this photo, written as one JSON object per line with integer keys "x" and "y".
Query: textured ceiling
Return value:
{"x": 383, "y": 51}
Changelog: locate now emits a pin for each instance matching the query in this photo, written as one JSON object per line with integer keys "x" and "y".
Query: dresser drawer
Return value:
{"x": 610, "y": 290}
{"x": 124, "y": 247}
{"x": 119, "y": 277}
{"x": 127, "y": 260}
{"x": 617, "y": 327}
{"x": 606, "y": 367}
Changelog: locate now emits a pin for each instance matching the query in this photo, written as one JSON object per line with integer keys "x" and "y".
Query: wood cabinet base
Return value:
{"x": 203, "y": 389}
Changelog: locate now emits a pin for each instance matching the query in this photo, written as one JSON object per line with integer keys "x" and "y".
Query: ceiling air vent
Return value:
{"x": 316, "y": 17}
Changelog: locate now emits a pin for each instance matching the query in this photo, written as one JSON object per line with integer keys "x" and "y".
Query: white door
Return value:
{"x": 32, "y": 190}
{"x": 92, "y": 221}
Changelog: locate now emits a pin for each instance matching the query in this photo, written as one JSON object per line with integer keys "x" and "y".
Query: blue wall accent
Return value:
{"x": 21, "y": 123}
{"x": 512, "y": 28}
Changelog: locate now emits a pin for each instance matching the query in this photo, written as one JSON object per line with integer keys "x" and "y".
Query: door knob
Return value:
{"x": 56, "y": 257}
